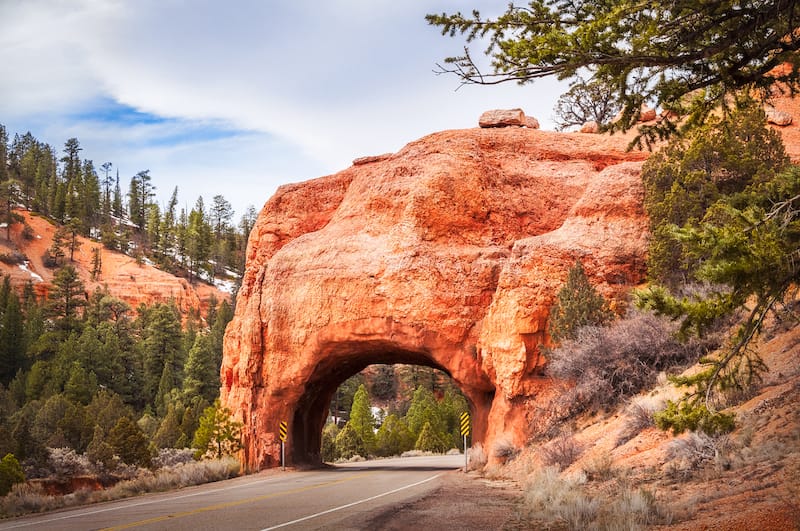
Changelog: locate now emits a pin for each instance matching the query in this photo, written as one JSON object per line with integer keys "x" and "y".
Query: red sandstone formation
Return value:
{"x": 132, "y": 282}
{"x": 448, "y": 254}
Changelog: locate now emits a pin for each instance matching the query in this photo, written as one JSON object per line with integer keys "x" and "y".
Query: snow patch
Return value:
{"x": 226, "y": 286}
{"x": 34, "y": 276}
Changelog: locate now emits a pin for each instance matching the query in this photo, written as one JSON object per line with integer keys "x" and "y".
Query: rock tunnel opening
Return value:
{"x": 312, "y": 410}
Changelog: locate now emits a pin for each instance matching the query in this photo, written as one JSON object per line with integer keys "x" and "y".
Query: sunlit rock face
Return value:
{"x": 448, "y": 254}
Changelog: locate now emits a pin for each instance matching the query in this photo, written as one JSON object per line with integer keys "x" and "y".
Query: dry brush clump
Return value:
{"x": 612, "y": 363}
{"x": 476, "y": 457}
{"x": 561, "y": 451}
{"x": 504, "y": 449}
{"x": 26, "y": 498}
{"x": 697, "y": 452}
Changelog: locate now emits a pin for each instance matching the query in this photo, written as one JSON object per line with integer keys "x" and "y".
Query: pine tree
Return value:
{"x": 424, "y": 410}
{"x": 12, "y": 339}
{"x": 169, "y": 431}
{"x": 201, "y": 373}
{"x": 66, "y": 298}
{"x": 688, "y": 58}
{"x": 105, "y": 206}
{"x": 3, "y": 153}
{"x": 162, "y": 347}
{"x": 362, "y": 420}
{"x": 97, "y": 264}
{"x": 393, "y": 437}
{"x": 429, "y": 440}
{"x": 129, "y": 443}
{"x": 577, "y": 304}
{"x": 349, "y": 443}
{"x": 198, "y": 239}
{"x": 140, "y": 195}
{"x": 116, "y": 203}
{"x": 10, "y": 473}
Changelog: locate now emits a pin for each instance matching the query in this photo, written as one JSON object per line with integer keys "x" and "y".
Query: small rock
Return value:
{"x": 531, "y": 122}
{"x": 647, "y": 114}
{"x": 590, "y": 127}
{"x": 778, "y": 117}
{"x": 502, "y": 118}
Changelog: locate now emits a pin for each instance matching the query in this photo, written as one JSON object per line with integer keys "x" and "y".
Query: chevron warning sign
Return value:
{"x": 465, "y": 424}
{"x": 282, "y": 430}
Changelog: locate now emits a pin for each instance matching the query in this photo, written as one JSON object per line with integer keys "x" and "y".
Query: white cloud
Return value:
{"x": 319, "y": 83}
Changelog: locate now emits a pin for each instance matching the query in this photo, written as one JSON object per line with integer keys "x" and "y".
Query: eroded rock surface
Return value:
{"x": 448, "y": 253}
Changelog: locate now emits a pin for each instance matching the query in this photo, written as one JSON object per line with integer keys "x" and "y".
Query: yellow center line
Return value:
{"x": 228, "y": 505}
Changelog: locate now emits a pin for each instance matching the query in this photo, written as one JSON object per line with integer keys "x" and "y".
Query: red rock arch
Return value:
{"x": 448, "y": 254}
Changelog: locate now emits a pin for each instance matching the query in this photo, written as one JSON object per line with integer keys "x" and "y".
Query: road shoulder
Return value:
{"x": 459, "y": 502}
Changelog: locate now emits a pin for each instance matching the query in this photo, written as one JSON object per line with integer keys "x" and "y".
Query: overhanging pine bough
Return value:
{"x": 657, "y": 52}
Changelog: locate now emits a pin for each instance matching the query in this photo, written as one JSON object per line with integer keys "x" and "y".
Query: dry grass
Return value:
{"x": 638, "y": 417}
{"x": 554, "y": 500}
{"x": 25, "y": 498}
{"x": 476, "y": 457}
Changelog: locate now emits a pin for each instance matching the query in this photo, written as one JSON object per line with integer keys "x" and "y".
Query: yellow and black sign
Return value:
{"x": 282, "y": 430}
{"x": 465, "y": 424}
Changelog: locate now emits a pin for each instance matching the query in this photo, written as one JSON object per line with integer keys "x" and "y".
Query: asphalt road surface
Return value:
{"x": 339, "y": 498}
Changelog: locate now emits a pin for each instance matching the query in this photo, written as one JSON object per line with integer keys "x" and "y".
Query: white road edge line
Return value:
{"x": 309, "y": 517}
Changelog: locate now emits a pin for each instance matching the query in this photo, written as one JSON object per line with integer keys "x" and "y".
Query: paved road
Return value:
{"x": 338, "y": 498}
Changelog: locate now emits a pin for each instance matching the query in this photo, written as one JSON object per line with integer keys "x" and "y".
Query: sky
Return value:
{"x": 238, "y": 97}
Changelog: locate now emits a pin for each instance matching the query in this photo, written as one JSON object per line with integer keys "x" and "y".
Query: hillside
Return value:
{"x": 132, "y": 282}
{"x": 748, "y": 479}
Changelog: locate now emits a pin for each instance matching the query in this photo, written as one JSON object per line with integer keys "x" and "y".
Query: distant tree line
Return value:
{"x": 99, "y": 378}
{"x": 201, "y": 243}
{"x": 394, "y": 409}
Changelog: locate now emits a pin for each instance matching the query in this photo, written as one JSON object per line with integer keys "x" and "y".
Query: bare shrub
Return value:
{"x": 182, "y": 475}
{"x": 168, "y": 457}
{"x": 504, "y": 449}
{"x": 633, "y": 509}
{"x": 601, "y": 469}
{"x": 561, "y": 451}
{"x": 697, "y": 451}
{"x": 638, "y": 417}
{"x": 65, "y": 463}
{"x": 609, "y": 364}
{"x": 476, "y": 457}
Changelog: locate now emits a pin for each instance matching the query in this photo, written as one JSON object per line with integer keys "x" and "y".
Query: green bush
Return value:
{"x": 10, "y": 473}
{"x": 686, "y": 415}
{"x": 350, "y": 443}
{"x": 328, "y": 449}
{"x": 430, "y": 441}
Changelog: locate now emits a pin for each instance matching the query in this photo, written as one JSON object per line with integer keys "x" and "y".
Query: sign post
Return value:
{"x": 465, "y": 432}
{"x": 282, "y": 432}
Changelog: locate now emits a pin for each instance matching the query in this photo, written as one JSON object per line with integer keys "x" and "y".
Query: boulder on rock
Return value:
{"x": 502, "y": 118}
{"x": 647, "y": 114}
